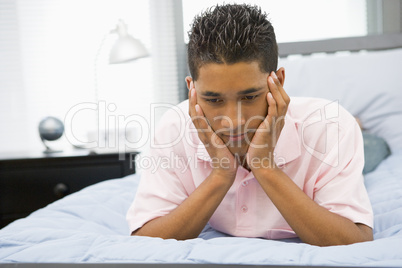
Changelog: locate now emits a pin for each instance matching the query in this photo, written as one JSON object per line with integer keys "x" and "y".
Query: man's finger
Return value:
{"x": 281, "y": 90}
{"x": 274, "y": 86}
{"x": 285, "y": 96}
{"x": 272, "y": 104}
{"x": 192, "y": 102}
{"x": 205, "y": 132}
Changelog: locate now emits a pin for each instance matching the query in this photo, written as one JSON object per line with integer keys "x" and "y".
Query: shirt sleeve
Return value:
{"x": 160, "y": 190}
{"x": 340, "y": 187}
{"x": 158, "y": 194}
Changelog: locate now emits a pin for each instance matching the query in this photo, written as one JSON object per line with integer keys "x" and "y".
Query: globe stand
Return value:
{"x": 48, "y": 149}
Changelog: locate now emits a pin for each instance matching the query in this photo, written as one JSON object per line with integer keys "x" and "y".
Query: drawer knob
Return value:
{"x": 61, "y": 190}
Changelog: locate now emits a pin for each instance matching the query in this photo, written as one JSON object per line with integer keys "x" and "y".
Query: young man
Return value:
{"x": 239, "y": 155}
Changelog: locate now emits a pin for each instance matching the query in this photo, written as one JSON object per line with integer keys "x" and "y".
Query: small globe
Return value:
{"x": 51, "y": 128}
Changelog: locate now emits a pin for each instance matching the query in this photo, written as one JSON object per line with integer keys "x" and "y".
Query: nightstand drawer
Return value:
{"x": 28, "y": 190}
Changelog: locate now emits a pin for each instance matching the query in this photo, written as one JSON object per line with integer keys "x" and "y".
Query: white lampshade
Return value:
{"x": 126, "y": 48}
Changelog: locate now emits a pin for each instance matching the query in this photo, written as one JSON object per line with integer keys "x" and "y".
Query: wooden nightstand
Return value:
{"x": 31, "y": 181}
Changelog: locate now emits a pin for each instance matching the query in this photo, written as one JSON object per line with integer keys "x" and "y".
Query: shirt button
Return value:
{"x": 244, "y": 209}
{"x": 244, "y": 183}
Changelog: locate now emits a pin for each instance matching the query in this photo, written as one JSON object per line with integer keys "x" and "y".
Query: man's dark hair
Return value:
{"x": 230, "y": 34}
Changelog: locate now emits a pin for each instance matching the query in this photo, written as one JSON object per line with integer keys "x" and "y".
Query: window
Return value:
{"x": 296, "y": 20}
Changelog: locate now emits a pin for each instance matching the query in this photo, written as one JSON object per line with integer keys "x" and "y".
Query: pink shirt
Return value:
{"x": 320, "y": 148}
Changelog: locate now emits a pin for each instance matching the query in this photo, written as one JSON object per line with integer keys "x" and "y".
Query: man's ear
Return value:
{"x": 281, "y": 75}
{"x": 188, "y": 81}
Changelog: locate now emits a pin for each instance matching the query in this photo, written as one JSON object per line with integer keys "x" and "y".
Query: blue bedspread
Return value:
{"x": 90, "y": 226}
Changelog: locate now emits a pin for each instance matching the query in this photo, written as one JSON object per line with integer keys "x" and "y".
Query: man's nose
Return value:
{"x": 233, "y": 117}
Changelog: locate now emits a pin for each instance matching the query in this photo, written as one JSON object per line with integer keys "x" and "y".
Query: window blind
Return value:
{"x": 13, "y": 117}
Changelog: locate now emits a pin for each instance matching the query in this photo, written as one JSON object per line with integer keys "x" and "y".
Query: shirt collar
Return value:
{"x": 287, "y": 148}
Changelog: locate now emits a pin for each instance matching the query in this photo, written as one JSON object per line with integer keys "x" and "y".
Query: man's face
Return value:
{"x": 234, "y": 100}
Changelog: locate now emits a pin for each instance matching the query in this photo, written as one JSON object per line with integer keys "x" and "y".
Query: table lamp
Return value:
{"x": 126, "y": 48}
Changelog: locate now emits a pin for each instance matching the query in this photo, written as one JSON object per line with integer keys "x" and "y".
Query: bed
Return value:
{"x": 90, "y": 227}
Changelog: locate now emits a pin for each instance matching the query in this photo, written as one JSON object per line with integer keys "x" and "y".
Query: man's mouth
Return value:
{"x": 237, "y": 137}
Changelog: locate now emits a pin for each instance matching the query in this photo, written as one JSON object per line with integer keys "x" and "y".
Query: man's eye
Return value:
{"x": 250, "y": 97}
{"x": 213, "y": 100}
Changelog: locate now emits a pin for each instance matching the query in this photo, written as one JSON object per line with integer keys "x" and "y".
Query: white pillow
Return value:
{"x": 367, "y": 84}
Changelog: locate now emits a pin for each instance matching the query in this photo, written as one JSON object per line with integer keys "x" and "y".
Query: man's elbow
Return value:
{"x": 362, "y": 237}
{"x": 141, "y": 232}
{"x": 366, "y": 233}
{"x": 363, "y": 234}
{"x": 136, "y": 232}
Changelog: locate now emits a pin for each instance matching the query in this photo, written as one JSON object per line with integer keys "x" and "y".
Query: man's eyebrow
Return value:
{"x": 210, "y": 94}
{"x": 249, "y": 91}
{"x": 243, "y": 92}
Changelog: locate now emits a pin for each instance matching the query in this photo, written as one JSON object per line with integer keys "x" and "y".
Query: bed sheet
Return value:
{"x": 90, "y": 226}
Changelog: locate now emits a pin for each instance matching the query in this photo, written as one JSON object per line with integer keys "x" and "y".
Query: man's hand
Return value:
{"x": 261, "y": 149}
{"x": 223, "y": 161}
